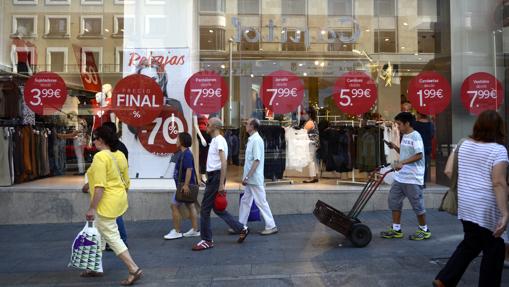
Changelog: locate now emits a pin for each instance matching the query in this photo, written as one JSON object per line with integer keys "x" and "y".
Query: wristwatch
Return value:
{"x": 246, "y": 178}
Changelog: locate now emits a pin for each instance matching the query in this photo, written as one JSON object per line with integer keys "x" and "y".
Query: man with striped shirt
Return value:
{"x": 408, "y": 180}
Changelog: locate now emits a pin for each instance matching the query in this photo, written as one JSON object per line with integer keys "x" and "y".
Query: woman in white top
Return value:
{"x": 482, "y": 203}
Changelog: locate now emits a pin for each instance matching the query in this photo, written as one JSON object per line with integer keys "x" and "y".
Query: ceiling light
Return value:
{"x": 106, "y": 30}
{"x": 322, "y": 64}
{"x": 323, "y": 32}
{"x": 300, "y": 64}
{"x": 223, "y": 66}
{"x": 403, "y": 47}
{"x": 367, "y": 30}
{"x": 305, "y": 74}
{"x": 252, "y": 76}
{"x": 317, "y": 63}
{"x": 405, "y": 24}
{"x": 298, "y": 31}
{"x": 211, "y": 31}
{"x": 387, "y": 39}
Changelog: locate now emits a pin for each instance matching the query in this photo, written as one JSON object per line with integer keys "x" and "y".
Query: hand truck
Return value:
{"x": 348, "y": 224}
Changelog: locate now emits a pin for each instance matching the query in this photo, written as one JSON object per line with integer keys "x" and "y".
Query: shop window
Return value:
{"x": 249, "y": 46}
{"x": 249, "y": 7}
{"x": 428, "y": 41}
{"x": 293, "y": 7}
{"x": 427, "y": 7}
{"x": 290, "y": 45}
{"x": 339, "y": 46}
{"x": 96, "y": 52}
{"x": 58, "y": 2}
{"x": 385, "y": 41}
{"x": 123, "y": 2}
{"x": 91, "y": 2}
{"x": 119, "y": 59}
{"x": 57, "y": 26}
{"x": 56, "y": 59}
{"x": 340, "y": 8}
{"x": 25, "y": 2}
{"x": 155, "y": 25}
{"x": 91, "y": 26}
{"x": 156, "y": 2}
{"x": 385, "y": 8}
{"x": 212, "y": 39}
{"x": 212, "y": 6}
{"x": 25, "y": 25}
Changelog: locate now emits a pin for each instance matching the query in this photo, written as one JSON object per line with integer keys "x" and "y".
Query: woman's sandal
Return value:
{"x": 136, "y": 276}
{"x": 90, "y": 273}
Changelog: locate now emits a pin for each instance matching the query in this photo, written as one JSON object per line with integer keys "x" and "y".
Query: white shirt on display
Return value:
{"x": 213, "y": 160}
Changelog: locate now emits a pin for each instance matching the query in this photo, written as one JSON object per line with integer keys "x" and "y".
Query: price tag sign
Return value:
{"x": 137, "y": 100}
{"x": 206, "y": 92}
{"x": 160, "y": 136}
{"x": 45, "y": 93}
{"x": 480, "y": 92}
{"x": 282, "y": 92}
{"x": 429, "y": 92}
{"x": 355, "y": 93}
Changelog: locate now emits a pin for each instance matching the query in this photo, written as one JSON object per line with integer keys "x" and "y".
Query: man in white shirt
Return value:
{"x": 253, "y": 179}
{"x": 408, "y": 179}
{"x": 216, "y": 178}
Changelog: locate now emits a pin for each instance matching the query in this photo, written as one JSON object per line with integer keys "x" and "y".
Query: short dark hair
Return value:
{"x": 311, "y": 113}
{"x": 405, "y": 117}
{"x": 489, "y": 127}
{"x": 185, "y": 139}
{"x": 108, "y": 137}
{"x": 255, "y": 123}
{"x": 111, "y": 126}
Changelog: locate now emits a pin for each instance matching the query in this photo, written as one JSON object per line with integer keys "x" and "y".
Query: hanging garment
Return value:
{"x": 5, "y": 157}
{"x": 297, "y": 149}
{"x": 275, "y": 155}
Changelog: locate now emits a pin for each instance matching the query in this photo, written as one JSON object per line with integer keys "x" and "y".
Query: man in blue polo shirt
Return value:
{"x": 253, "y": 179}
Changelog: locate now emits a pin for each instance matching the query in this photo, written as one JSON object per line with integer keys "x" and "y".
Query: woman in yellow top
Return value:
{"x": 108, "y": 181}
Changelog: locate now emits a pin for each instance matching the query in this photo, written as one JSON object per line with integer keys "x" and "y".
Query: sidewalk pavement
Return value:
{"x": 303, "y": 253}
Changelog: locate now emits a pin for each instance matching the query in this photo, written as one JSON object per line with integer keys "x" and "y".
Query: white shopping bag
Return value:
{"x": 389, "y": 178}
{"x": 86, "y": 249}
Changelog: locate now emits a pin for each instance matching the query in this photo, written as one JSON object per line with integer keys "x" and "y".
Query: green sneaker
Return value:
{"x": 391, "y": 233}
{"x": 420, "y": 235}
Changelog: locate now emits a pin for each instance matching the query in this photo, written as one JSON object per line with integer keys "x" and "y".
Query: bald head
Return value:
{"x": 215, "y": 123}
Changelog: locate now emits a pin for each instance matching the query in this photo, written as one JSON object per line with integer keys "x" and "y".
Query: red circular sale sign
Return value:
{"x": 160, "y": 136}
{"x": 45, "y": 93}
{"x": 481, "y": 91}
{"x": 429, "y": 93}
{"x": 206, "y": 92}
{"x": 282, "y": 92}
{"x": 137, "y": 100}
{"x": 355, "y": 93}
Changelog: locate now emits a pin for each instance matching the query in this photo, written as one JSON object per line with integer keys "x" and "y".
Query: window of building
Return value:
{"x": 57, "y": 26}
{"x": 97, "y": 56}
{"x": 385, "y": 41}
{"x": 56, "y": 59}
{"x": 212, "y": 39}
{"x": 91, "y": 2}
{"x": 428, "y": 42}
{"x": 427, "y": 8}
{"x": 25, "y": 2}
{"x": 290, "y": 45}
{"x": 122, "y": 2}
{"x": 339, "y": 46}
{"x": 121, "y": 24}
{"x": 385, "y": 8}
{"x": 293, "y": 7}
{"x": 249, "y": 46}
{"x": 212, "y": 6}
{"x": 25, "y": 25}
{"x": 340, "y": 8}
{"x": 92, "y": 26}
{"x": 155, "y": 25}
{"x": 58, "y": 2}
{"x": 249, "y": 7}
{"x": 119, "y": 59}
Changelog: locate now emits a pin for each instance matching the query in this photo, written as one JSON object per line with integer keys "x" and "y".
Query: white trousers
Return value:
{"x": 256, "y": 193}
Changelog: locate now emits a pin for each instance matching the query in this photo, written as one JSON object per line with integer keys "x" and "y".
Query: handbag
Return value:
{"x": 220, "y": 202}
{"x": 86, "y": 251}
{"x": 192, "y": 195}
{"x": 449, "y": 202}
{"x": 254, "y": 213}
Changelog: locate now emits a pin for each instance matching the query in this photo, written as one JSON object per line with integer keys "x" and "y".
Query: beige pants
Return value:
{"x": 108, "y": 229}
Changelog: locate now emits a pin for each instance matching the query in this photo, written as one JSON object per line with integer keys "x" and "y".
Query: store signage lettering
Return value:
{"x": 282, "y": 92}
{"x": 45, "y": 93}
{"x": 481, "y": 91}
{"x": 137, "y": 100}
{"x": 325, "y": 35}
{"x": 355, "y": 93}
{"x": 429, "y": 93}
{"x": 160, "y": 136}
{"x": 135, "y": 59}
{"x": 206, "y": 92}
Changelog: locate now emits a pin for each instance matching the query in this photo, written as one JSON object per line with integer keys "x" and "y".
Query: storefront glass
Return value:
{"x": 355, "y": 63}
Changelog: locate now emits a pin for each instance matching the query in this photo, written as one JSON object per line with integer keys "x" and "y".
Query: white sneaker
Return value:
{"x": 192, "y": 233}
{"x": 173, "y": 235}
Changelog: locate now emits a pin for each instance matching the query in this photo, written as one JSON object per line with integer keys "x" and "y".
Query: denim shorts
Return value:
{"x": 413, "y": 192}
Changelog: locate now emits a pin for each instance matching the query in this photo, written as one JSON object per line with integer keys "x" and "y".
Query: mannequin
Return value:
{"x": 103, "y": 112}
{"x": 22, "y": 53}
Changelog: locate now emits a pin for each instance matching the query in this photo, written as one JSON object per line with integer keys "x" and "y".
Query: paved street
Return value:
{"x": 304, "y": 253}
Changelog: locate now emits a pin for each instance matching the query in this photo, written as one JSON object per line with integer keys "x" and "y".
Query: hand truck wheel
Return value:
{"x": 360, "y": 235}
